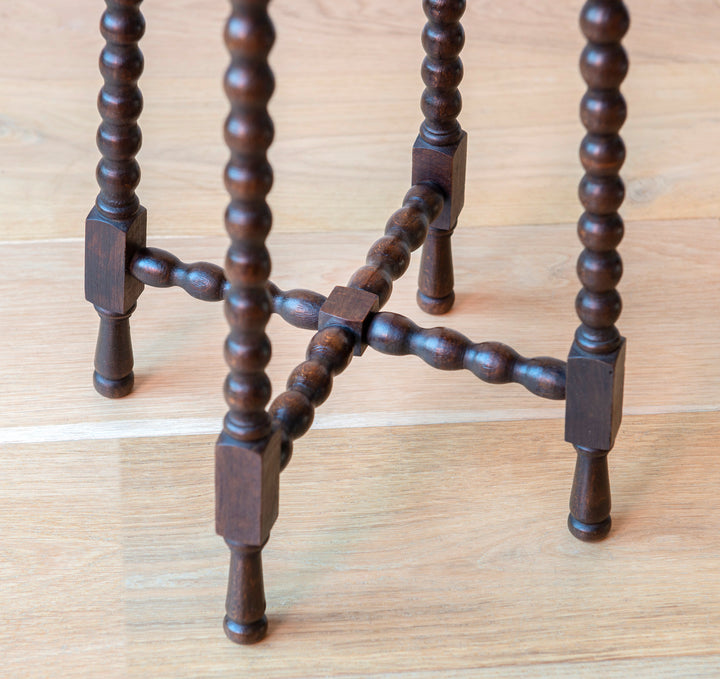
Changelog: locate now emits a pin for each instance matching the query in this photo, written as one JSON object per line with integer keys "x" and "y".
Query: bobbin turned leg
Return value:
{"x": 115, "y": 228}
{"x": 595, "y": 367}
{"x": 247, "y": 454}
{"x": 439, "y": 154}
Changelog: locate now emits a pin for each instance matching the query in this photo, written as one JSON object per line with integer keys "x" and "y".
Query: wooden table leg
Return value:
{"x": 256, "y": 443}
{"x": 247, "y": 455}
{"x": 595, "y": 366}
{"x": 116, "y": 226}
{"x": 440, "y": 152}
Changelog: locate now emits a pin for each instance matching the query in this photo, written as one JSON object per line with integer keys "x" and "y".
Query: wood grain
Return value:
{"x": 108, "y": 559}
{"x": 356, "y": 589}
{"x": 347, "y": 103}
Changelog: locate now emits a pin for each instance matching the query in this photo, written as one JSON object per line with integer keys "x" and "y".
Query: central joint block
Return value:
{"x": 350, "y": 308}
{"x": 109, "y": 247}
{"x": 444, "y": 166}
{"x": 594, "y": 397}
{"x": 247, "y": 488}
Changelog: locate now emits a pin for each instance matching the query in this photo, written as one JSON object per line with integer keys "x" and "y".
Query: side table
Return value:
{"x": 256, "y": 442}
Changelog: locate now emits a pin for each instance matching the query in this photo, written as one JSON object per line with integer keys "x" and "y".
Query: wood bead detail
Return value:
{"x": 298, "y": 307}
{"x": 249, "y": 84}
{"x": 116, "y": 226}
{"x": 442, "y": 71}
{"x": 161, "y": 269}
{"x": 446, "y": 349}
{"x": 329, "y": 353}
{"x": 406, "y": 230}
{"x": 205, "y": 281}
{"x": 120, "y": 103}
{"x": 603, "y": 65}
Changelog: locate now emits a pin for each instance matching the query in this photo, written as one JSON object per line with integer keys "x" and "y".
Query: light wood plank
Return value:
{"x": 417, "y": 551}
{"x": 61, "y": 561}
{"x": 346, "y": 113}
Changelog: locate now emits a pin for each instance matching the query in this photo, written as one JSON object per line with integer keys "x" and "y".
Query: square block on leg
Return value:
{"x": 444, "y": 166}
{"x": 109, "y": 246}
{"x": 247, "y": 488}
{"x": 594, "y": 397}
{"x": 350, "y": 308}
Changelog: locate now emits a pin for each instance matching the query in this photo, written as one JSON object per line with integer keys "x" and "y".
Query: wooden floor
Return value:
{"x": 422, "y": 527}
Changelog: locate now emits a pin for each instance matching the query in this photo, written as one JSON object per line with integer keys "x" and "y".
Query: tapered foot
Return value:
{"x": 589, "y": 518}
{"x": 113, "y": 376}
{"x": 245, "y": 622}
{"x": 435, "y": 293}
{"x": 589, "y": 532}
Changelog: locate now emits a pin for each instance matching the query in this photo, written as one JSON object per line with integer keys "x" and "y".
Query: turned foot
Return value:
{"x": 435, "y": 293}
{"x": 589, "y": 518}
{"x": 245, "y": 634}
{"x": 435, "y": 306}
{"x": 113, "y": 376}
{"x": 589, "y": 532}
{"x": 245, "y": 622}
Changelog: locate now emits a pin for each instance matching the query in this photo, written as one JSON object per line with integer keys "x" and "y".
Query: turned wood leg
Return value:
{"x": 113, "y": 376}
{"x": 116, "y": 226}
{"x": 589, "y": 517}
{"x": 245, "y": 622}
{"x": 440, "y": 152}
{"x": 247, "y": 454}
{"x": 595, "y": 367}
{"x": 436, "y": 282}
{"x": 247, "y": 481}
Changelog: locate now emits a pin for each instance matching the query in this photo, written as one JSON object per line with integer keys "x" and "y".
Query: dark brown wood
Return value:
{"x": 249, "y": 83}
{"x": 405, "y": 231}
{"x": 245, "y": 621}
{"x": 113, "y": 376}
{"x": 440, "y": 152}
{"x": 596, "y": 362}
{"x": 248, "y": 451}
{"x": 436, "y": 280}
{"x": 349, "y": 308}
{"x": 594, "y": 397}
{"x": 110, "y": 245}
{"x": 420, "y": 207}
{"x": 205, "y": 281}
{"x": 161, "y": 269}
{"x": 309, "y": 385}
{"x": 247, "y": 482}
{"x": 300, "y": 308}
{"x": 445, "y": 349}
{"x": 116, "y": 226}
{"x": 589, "y": 518}
{"x": 442, "y": 71}
{"x": 256, "y": 444}
{"x": 444, "y": 167}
